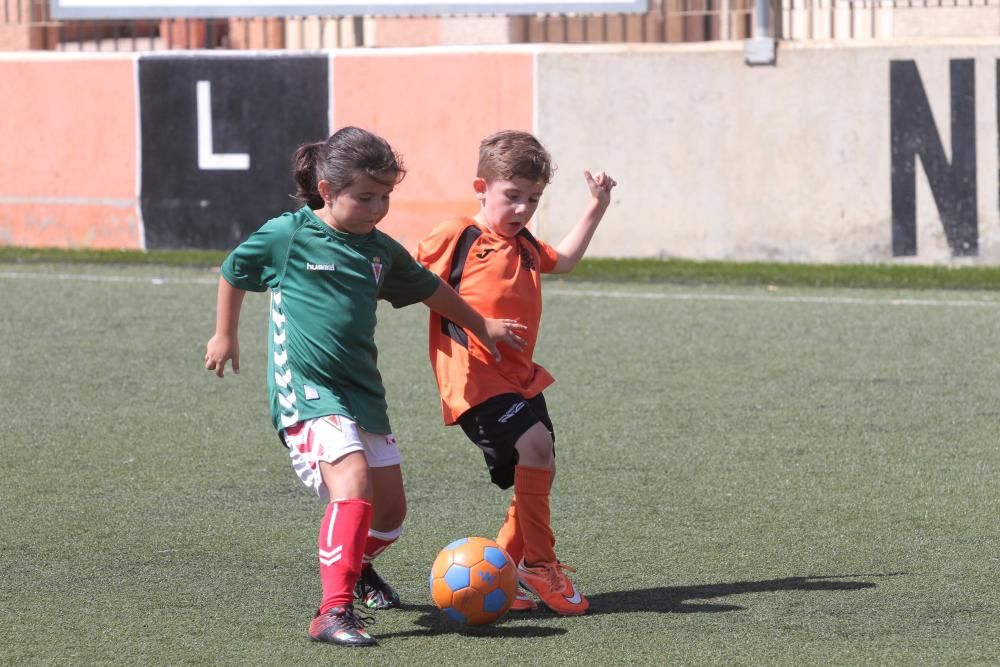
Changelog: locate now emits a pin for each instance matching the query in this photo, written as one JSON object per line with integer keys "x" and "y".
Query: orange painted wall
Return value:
{"x": 434, "y": 109}
{"x": 68, "y": 164}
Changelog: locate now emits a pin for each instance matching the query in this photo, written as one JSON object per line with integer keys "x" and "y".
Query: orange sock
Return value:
{"x": 510, "y": 537}
{"x": 531, "y": 488}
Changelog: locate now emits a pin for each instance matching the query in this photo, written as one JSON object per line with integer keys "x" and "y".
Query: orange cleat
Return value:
{"x": 554, "y": 589}
{"x": 523, "y": 603}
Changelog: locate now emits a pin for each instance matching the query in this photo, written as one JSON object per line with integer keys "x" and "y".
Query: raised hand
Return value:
{"x": 600, "y": 185}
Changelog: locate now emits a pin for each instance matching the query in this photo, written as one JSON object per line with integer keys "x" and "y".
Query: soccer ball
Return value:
{"x": 473, "y": 581}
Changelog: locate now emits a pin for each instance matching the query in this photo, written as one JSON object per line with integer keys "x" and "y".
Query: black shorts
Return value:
{"x": 496, "y": 425}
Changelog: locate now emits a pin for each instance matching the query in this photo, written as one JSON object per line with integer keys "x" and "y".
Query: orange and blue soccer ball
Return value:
{"x": 473, "y": 581}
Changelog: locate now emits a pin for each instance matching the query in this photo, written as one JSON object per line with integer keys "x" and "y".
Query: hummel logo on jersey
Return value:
{"x": 482, "y": 254}
{"x": 514, "y": 409}
{"x": 377, "y": 268}
{"x": 320, "y": 267}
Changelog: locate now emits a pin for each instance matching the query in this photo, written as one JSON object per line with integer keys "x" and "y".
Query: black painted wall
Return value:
{"x": 262, "y": 107}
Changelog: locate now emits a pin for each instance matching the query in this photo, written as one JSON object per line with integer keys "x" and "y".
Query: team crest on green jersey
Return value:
{"x": 377, "y": 268}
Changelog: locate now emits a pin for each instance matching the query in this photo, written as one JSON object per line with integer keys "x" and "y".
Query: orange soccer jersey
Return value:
{"x": 501, "y": 278}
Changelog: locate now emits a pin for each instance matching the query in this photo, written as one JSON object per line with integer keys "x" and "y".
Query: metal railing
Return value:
{"x": 665, "y": 21}
{"x": 870, "y": 19}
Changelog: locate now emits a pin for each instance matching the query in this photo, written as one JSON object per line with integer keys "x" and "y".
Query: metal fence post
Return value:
{"x": 759, "y": 49}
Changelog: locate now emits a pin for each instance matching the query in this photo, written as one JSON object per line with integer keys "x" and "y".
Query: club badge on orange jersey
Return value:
{"x": 527, "y": 261}
{"x": 377, "y": 268}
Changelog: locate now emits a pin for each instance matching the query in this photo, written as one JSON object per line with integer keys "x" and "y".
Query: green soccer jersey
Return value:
{"x": 324, "y": 287}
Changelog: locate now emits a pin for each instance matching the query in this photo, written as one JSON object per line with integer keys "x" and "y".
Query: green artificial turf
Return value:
{"x": 747, "y": 475}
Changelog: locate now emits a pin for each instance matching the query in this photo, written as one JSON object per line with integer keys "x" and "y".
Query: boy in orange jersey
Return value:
{"x": 494, "y": 263}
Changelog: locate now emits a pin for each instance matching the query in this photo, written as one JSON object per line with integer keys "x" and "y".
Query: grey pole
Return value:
{"x": 759, "y": 49}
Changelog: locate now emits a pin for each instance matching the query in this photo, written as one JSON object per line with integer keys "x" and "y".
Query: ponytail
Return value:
{"x": 304, "y": 169}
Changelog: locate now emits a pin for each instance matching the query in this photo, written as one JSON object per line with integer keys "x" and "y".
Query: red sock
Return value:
{"x": 378, "y": 541}
{"x": 531, "y": 487}
{"x": 341, "y": 546}
{"x": 509, "y": 537}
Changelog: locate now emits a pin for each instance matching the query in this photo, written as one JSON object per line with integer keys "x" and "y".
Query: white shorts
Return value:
{"x": 330, "y": 438}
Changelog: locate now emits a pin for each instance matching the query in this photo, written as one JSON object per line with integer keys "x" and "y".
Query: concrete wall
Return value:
{"x": 841, "y": 153}
{"x": 718, "y": 160}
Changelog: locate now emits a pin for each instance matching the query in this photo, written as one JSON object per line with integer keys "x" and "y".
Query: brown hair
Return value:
{"x": 339, "y": 159}
{"x": 513, "y": 154}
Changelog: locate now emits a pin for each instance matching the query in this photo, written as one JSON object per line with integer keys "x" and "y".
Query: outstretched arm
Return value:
{"x": 571, "y": 248}
{"x": 225, "y": 345}
{"x": 446, "y": 302}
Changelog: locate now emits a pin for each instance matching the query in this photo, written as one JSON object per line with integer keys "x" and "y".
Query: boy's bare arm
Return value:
{"x": 225, "y": 345}
{"x": 446, "y": 302}
{"x": 571, "y": 249}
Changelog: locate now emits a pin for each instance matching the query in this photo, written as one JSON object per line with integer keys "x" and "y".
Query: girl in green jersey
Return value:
{"x": 326, "y": 266}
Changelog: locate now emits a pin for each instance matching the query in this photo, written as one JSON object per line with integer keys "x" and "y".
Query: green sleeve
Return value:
{"x": 257, "y": 264}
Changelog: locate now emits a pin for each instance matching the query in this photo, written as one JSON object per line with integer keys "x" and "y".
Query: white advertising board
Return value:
{"x": 135, "y": 9}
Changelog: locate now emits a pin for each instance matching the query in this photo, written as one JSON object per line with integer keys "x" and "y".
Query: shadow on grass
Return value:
{"x": 672, "y": 599}
{"x": 433, "y": 623}
{"x": 678, "y": 599}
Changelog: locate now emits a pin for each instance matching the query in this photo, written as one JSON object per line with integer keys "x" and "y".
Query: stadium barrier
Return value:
{"x": 873, "y": 152}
